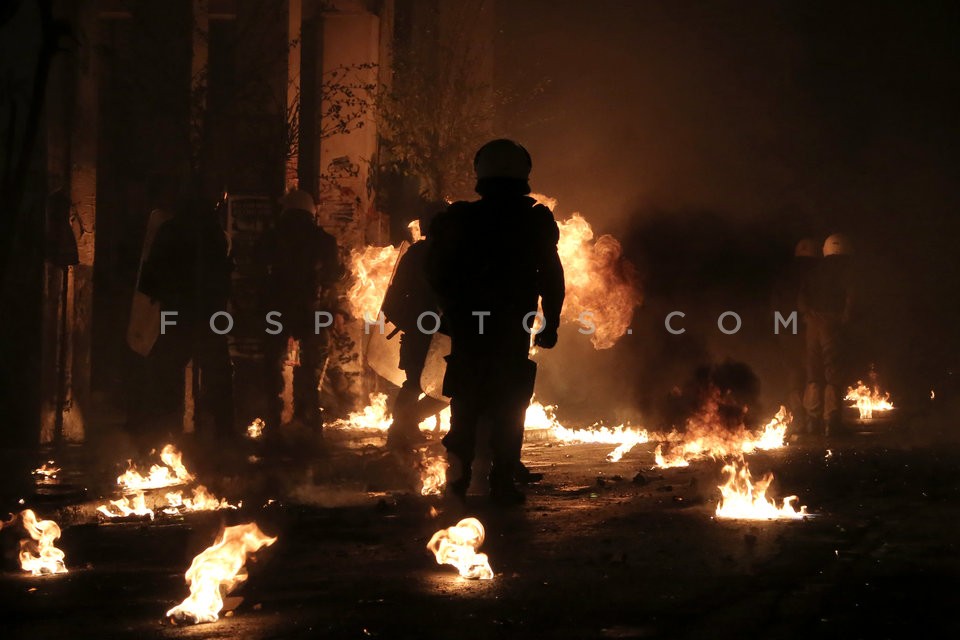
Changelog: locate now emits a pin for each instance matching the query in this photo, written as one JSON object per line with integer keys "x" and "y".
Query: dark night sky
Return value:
{"x": 713, "y": 133}
{"x": 770, "y": 108}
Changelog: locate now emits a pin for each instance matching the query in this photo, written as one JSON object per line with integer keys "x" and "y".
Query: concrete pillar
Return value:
{"x": 72, "y": 160}
{"x": 350, "y": 36}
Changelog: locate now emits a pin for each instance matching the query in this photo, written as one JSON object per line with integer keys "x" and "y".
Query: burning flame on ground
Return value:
{"x": 135, "y": 505}
{"x": 202, "y": 500}
{"x": 217, "y": 570}
{"x": 457, "y": 546}
{"x": 743, "y": 499}
{"x": 433, "y": 475}
{"x": 38, "y": 555}
{"x": 47, "y": 471}
{"x": 868, "y": 400}
{"x": 170, "y": 473}
{"x": 705, "y": 436}
{"x": 599, "y": 280}
{"x": 255, "y": 428}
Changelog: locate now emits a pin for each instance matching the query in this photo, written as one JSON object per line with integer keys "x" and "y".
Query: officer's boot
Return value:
{"x": 503, "y": 490}
{"x": 458, "y": 478}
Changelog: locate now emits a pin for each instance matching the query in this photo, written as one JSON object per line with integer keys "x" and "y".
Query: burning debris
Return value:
{"x": 255, "y": 429}
{"x": 202, "y": 500}
{"x": 38, "y": 555}
{"x": 868, "y": 400}
{"x": 217, "y": 571}
{"x": 457, "y": 546}
{"x": 170, "y": 473}
{"x": 126, "y": 507}
{"x": 742, "y": 499}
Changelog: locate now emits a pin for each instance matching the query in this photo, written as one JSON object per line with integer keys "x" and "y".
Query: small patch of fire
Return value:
{"x": 457, "y": 546}
{"x": 202, "y": 500}
{"x": 433, "y": 475}
{"x": 255, "y": 428}
{"x": 38, "y": 554}
{"x": 743, "y": 499}
{"x": 217, "y": 571}
{"x": 705, "y": 436}
{"x": 170, "y": 473}
{"x": 868, "y": 400}
{"x": 540, "y": 416}
{"x": 126, "y": 507}
{"x": 47, "y": 472}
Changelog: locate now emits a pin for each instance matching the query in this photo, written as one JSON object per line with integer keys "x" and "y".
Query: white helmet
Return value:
{"x": 298, "y": 200}
{"x": 502, "y": 158}
{"x": 837, "y": 245}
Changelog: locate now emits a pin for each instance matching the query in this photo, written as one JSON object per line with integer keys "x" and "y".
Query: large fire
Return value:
{"x": 457, "y": 546}
{"x": 868, "y": 400}
{"x": 38, "y": 554}
{"x": 601, "y": 286}
{"x": 217, "y": 570}
{"x": 743, "y": 499}
{"x": 372, "y": 269}
{"x": 171, "y": 472}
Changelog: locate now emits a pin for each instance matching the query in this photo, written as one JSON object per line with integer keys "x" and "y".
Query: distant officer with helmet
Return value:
{"x": 792, "y": 346}
{"x": 488, "y": 286}
{"x": 303, "y": 265}
{"x": 827, "y": 304}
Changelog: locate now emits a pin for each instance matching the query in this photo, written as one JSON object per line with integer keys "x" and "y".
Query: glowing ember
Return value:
{"x": 217, "y": 570}
{"x": 742, "y": 499}
{"x": 135, "y": 505}
{"x": 868, "y": 400}
{"x": 371, "y": 269}
{"x": 599, "y": 280}
{"x": 38, "y": 555}
{"x": 433, "y": 475}
{"x": 170, "y": 473}
{"x": 255, "y": 429}
{"x": 457, "y": 546}
{"x": 202, "y": 500}
{"x": 47, "y": 471}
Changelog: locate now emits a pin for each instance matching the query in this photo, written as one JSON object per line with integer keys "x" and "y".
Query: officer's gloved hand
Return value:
{"x": 546, "y": 339}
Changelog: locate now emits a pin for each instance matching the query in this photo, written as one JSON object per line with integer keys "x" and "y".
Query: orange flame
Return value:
{"x": 706, "y": 436}
{"x": 38, "y": 555}
{"x": 170, "y": 473}
{"x": 433, "y": 475}
{"x": 202, "y": 500}
{"x": 217, "y": 570}
{"x": 255, "y": 428}
{"x": 742, "y": 499}
{"x": 371, "y": 269}
{"x": 599, "y": 280}
{"x": 457, "y": 546}
{"x": 868, "y": 400}
{"x": 135, "y": 505}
